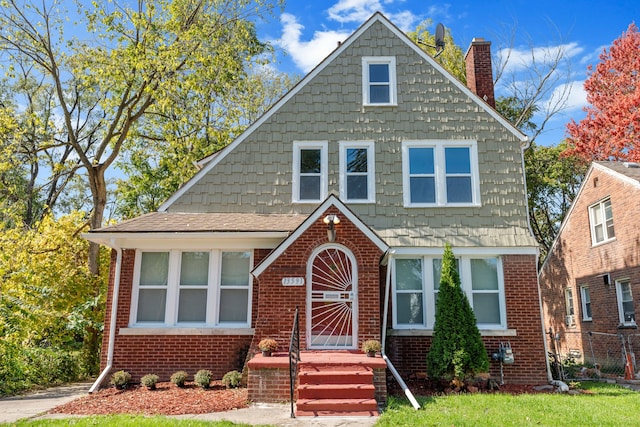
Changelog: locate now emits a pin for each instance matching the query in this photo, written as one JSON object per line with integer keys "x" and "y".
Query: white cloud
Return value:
{"x": 358, "y": 11}
{"x": 307, "y": 54}
{"x": 524, "y": 58}
{"x": 349, "y": 11}
{"x": 577, "y": 98}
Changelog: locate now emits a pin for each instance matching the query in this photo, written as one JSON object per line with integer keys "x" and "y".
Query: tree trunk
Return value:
{"x": 92, "y": 334}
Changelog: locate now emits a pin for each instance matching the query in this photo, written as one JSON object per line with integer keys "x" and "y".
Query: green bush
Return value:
{"x": 232, "y": 379}
{"x": 22, "y": 368}
{"x": 49, "y": 366}
{"x": 150, "y": 381}
{"x": 203, "y": 378}
{"x": 178, "y": 378}
{"x": 457, "y": 351}
{"x": 121, "y": 379}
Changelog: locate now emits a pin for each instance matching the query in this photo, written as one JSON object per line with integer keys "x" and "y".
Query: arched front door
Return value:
{"x": 332, "y": 278}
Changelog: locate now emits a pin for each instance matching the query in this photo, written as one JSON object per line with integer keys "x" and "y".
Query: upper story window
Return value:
{"x": 379, "y": 80}
{"x": 585, "y": 296}
{"x": 357, "y": 175}
{"x": 440, "y": 173}
{"x": 203, "y": 288}
{"x": 416, "y": 284}
{"x": 626, "y": 308}
{"x": 310, "y": 179}
{"x": 601, "y": 220}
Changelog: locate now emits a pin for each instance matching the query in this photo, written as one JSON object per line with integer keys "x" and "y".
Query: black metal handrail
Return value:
{"x": 294, "y": 357}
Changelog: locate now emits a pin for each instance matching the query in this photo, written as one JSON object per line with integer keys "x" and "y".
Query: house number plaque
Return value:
{"x": 292, "y": 281}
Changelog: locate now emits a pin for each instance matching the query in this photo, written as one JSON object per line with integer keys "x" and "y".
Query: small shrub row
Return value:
{"x": 202, "y": 378}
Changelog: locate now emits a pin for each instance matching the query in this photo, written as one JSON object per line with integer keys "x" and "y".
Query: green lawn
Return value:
{"x": 605, "y": 405}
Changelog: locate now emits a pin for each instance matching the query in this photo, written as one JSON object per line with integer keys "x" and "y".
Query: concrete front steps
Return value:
{"x": 335, "y": 388}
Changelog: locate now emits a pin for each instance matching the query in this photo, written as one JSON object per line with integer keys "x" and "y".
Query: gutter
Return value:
{"x": 112, "y": 323}
{"x": 393, "y": 370}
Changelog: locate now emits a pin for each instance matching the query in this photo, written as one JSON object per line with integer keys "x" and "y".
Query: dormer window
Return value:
{"x": 379, "y": 80}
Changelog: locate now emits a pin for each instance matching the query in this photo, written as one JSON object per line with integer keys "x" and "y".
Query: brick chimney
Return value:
{"x": 479, "y": 72}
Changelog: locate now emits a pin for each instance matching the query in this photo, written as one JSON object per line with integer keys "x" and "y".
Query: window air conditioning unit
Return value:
{"x": 569, "y": 320}
{"x": 606, "y": 278}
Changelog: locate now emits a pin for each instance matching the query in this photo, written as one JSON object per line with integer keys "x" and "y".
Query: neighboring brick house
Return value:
{"x": 404, "y": 157}
{"x": 590, "y": 281}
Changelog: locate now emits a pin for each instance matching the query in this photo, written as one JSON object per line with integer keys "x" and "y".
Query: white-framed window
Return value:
{"x": 379, "y": 80}
{"x": 569, "y": 318}
{"x": 626, "y": 308}
{"x": 601, "y": 220}
{"x": 416, "y": 282}
{"x": 310, "y": 178}
{"x": 357, "y": 172}
{"x": 585, "y": 297}
{"x": 192, "y": 288}
{"x": 440, "y": 173}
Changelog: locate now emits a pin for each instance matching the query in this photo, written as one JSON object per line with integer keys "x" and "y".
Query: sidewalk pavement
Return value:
{"x": 35, "y": 405}
{"x": 30, "y": 405}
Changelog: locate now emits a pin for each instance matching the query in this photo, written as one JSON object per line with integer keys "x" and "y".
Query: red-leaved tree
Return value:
{"x": 611, "y": 129}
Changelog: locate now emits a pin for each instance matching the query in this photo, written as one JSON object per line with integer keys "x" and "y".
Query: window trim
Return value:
{"x": 584, "y": 290}
{"x": 366, "y": 84}
{"x": 620, "y": 302}
{"x": 173, "y": 289}
{"x": 439, "y": 147}
{"x": 324, "y": 176}
{"x": 429, "y": 292}
{"x": 371, "y": 189}
{"x": 603, "y": 223}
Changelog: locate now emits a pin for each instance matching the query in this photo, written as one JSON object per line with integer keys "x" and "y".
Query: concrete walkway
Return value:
{"x": 35, "y": 405}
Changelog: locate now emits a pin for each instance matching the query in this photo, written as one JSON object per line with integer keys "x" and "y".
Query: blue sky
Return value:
{"x": 307, "y": 31}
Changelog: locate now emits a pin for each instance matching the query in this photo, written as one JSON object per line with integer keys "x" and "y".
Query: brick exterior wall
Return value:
{"x": 293, "y": 263}
{"x": 575, "y": 262}
{"x": 166, "y": 354}
{"x": 409, "y": 353}
{"x": 274, "y": 306}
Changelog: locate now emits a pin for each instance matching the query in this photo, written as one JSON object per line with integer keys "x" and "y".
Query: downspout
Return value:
{"x": 112, "y": 323}
{"x": 395, "y": 373}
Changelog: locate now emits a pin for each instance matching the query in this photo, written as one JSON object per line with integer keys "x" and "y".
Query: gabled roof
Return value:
{"x": 210, "y": 162}
{"x": 628, "y": 172}
{"x": 332, "y": 200}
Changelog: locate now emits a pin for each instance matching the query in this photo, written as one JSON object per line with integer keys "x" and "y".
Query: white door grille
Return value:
{"x": 332, "y": 301}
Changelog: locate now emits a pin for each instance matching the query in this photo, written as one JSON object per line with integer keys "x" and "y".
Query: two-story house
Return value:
{"x": 590, "y": 281}
{"x": 339, "y": 201}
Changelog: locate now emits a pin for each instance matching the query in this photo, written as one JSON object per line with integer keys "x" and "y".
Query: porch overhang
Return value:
{"x": 199, "y": 229}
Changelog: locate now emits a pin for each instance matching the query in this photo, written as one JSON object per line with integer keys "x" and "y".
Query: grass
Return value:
{"x": 604, "y": 405}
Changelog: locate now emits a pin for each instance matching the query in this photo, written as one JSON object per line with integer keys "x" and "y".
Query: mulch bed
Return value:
{"x": 167, "y": 399}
